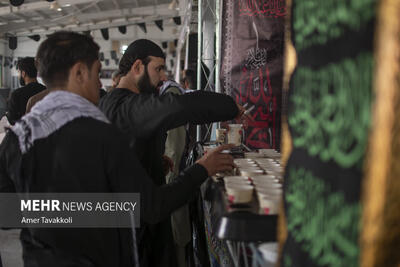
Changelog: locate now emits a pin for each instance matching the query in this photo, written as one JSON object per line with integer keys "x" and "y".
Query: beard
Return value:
{"x": 145, "y": 85}
{"x": 22, "y": 81}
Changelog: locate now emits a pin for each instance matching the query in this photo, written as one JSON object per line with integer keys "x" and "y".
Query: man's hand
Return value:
{"x": 168, "y": 165}
{"x": 215, "y": 161}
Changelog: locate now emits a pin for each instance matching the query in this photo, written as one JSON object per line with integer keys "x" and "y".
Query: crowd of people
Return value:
{"x": 71, "y": 137}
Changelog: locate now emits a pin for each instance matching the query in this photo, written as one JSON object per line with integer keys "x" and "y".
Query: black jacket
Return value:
{"x": 87, "y": 155}
{"x": 146, "y": 118}
{"x": 19, "y": 98}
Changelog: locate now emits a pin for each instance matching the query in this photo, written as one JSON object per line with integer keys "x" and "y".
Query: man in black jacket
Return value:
{"x": 19, "y": 98}
{"x": 66, "y": 144}
{"x": 136, "y": 109}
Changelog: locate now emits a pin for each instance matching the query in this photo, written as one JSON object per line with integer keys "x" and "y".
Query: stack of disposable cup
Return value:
{"x": 234, "y": 134}
{"x": 269, "y": 153}
{"x": 245, "y": 163}
{"x": 236, "y": 180}
{"x": 270, "y": 205}
{"x": 239, "y": 193}
{"x": 253, "y": 155}
{"x": 251, "y": 171}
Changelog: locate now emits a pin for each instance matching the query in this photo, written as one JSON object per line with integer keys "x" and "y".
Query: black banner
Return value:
{"x": 329, "y": 115}
{"x": 252, "y": 64}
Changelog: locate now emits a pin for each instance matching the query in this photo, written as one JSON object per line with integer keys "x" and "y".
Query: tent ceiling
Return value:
{"x": 40, "y": 16}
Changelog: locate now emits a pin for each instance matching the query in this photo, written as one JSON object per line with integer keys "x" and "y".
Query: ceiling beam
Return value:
{"x": 20, "y": 16}
{"x": 97, "y": 7}
{"x": 130, "y": 13}
{"x": 28, "y": 7}
{"x": 116, "y": 4}
{"x": 41, "y": 14}
{"x": 96, "y": 25}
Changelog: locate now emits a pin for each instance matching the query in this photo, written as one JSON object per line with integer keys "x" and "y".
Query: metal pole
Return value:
{"x": 199, "y": 54}
{"x": 187, "y": 52}
{"x": 218, "y": 25}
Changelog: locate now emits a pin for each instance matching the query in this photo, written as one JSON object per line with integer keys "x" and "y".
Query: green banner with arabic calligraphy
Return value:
{"x": 329, "y": 117}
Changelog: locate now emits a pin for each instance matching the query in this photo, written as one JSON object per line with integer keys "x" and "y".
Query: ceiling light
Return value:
{"x": 67, "y": 5}
{"x": 59, "y": 9}
{"x": 54, "y": 6}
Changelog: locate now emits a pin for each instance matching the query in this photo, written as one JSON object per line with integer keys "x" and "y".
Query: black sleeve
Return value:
{"x": 13, "y": 109}
{"x": 6, "y": 184}
{"x": 155, "y": 113}
{"x": 156, "y": 203}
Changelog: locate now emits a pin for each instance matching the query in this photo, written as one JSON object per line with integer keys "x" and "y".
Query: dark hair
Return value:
{"x": 191, "y": 78}
{"x": 139, "y": 49}
{"x": 60, "y": 51}
{"x": 27, "y": 64}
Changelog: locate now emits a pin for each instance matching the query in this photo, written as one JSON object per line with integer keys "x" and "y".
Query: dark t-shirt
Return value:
{"x": 16, "y": 105}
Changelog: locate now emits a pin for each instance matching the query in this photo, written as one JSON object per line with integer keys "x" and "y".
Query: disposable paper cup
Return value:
{"x": 276, "y": 164}
{"x": 261, "y": 195}
{"x": 252, "y": 155}
{"x": 269, "y": 191}
{"x": 243, "y": 161}
{"x": 251, "y": 172}
{"x": 269, "y": 206}
{"x": 220, "y": 135}
{"x": 268, "y": 152}
{"x": 267, "y": 183}
{"x": 266, "y": 162}
{"x": 270, "y": 194}
{"x": 265, "y": 179}
{"x": 236, "y": 179}
{"x": 246, "y": 164}
{"x": 268, "y": 168}
{"x": 229, "y": 184}
{"x": 275, "y": 170}
{"x": 267, "y": 186}
{"x": 239, "y": 193}
{"x": 235, "y": 134}
{"x": 249, "y": 168}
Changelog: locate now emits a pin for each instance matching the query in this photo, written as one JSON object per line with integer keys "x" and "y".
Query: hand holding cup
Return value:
{"x": 215, "y": 161}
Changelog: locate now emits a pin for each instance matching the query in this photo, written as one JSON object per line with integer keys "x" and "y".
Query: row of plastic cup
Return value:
{"x": 269, "y": 191}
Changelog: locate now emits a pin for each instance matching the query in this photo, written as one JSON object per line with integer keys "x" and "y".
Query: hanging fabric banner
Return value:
{"x": 252, "y": 64}
{"x": 330, "y": 102}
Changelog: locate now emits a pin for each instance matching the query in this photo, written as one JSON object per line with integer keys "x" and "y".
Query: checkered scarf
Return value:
{"x": 50, "y": 114}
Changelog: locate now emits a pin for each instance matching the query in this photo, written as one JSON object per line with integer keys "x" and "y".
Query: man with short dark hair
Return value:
{"x": 189, "y": 79}
{"x": 19, "y": 98}
{"x": 66, "y": 144}
{"x": 136, "y": 109}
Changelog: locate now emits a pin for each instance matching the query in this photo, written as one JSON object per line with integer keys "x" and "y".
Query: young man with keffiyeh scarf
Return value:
{"x": 66, "y": 144}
